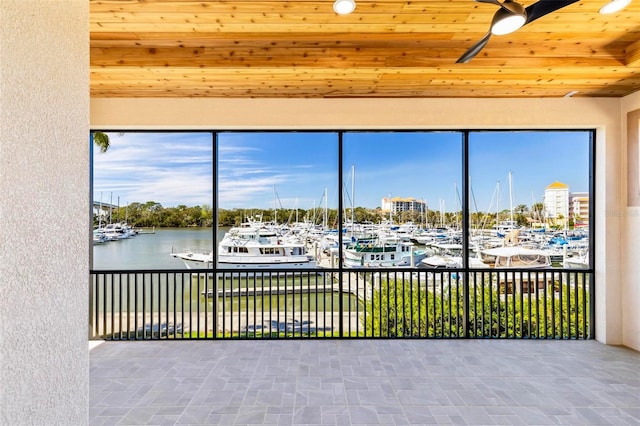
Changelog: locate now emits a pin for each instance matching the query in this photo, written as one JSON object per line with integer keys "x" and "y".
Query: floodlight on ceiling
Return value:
{"x": 506, "y": 21}
{"x": 614, "y": 6}
{"x": 344, "y": 7}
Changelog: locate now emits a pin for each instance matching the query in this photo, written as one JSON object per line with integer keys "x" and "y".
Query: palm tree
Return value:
{"x": 521, "y": 211}
{"x": 101, "y": 140}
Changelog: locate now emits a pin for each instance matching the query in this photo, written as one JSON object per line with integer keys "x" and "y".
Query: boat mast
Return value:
{"x": 275, "y": 206}
{"x": 100, "y": 212}
{"x": 353, "y": 197}
{"x": 426, "y": 215}
{"x": 326, "y": 211}
{"x": 511, "y": 197}
{"x": 497, "y": 204}
{"x": 458, "y": 206}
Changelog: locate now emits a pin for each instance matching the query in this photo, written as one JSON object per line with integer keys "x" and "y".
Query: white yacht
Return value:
{"x": 450, "y": 256}
{"x": 377, "y": 253}
{"x": 252, "y": 248}
{"x": 116, "y": 231}
{"x": 516, "y": 257}
{"x": 580, "y": 261}
{"x": 509, "y": 259}
{"x": 444, "y": 255}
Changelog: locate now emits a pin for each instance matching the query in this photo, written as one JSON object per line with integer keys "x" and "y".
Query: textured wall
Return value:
{"x": 44, "y": 211}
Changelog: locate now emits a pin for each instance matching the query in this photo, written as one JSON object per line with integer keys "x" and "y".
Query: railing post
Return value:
{"x": 91, "y": 329}
{"x": 592, "y": 306}
{"x": 214, "y": 309}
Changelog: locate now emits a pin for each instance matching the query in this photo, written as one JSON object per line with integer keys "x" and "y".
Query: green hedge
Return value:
{"x": 399, "y": 308}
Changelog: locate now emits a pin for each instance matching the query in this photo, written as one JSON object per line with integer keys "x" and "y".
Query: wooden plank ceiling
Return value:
{"x": 390, "y": 48}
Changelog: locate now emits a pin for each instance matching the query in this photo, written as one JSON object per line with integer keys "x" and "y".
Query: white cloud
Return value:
{"x": 169, "y": 168}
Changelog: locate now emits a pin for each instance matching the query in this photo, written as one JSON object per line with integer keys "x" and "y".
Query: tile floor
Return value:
{"x": 364, "y": 382}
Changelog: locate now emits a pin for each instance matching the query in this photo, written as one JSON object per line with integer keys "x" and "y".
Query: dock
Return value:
{"x": 362, "y": 289}
{"x": 141, "y": 231}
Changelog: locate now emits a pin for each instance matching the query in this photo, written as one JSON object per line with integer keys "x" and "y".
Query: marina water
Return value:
{"x": 152, "y": 250}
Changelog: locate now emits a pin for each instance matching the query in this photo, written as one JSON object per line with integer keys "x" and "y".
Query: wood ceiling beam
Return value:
{"x": 478, "y": 27}
{"x": 204, "y": 39}
{"x": 345, "y": 57}
{"x": 353, "y": 92}
{"x": 632, "y": 58}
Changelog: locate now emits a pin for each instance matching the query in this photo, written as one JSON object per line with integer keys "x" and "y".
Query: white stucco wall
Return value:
{"x": 44, "y": 216}
{"x": 602, "y": 114}
{"x": 631, "y": 249}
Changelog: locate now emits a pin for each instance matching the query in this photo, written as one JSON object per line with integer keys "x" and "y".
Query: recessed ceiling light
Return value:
{"x": 614, "y": 6}
{"x": 570, "y": 94}
{"x": 344, "y": 7}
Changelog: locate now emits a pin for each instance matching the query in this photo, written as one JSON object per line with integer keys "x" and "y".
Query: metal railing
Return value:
{"x": 342, "y": 303}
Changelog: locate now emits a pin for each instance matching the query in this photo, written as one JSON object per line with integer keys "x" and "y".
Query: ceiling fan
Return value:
{"x": 510, "y": 17}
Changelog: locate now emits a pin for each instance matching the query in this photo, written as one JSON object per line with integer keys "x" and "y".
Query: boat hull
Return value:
{"x": 205, "y": 261}
{"x": 195, "y": 260}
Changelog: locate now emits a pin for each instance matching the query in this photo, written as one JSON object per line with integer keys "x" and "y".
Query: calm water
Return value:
{"x": 152, "y": 251}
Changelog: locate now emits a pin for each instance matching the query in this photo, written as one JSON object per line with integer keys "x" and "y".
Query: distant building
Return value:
{"x": 398, "y": 204}
{"x": 579, "y": 202}
{"x": 103, "y": 210}
{"x": 556, "y": 202}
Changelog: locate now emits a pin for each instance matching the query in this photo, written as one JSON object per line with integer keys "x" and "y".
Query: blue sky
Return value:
{"x": 292, "y": 169}
{"x": 169, "y": 168}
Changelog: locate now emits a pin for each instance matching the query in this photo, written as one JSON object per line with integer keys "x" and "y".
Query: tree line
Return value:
{"x": 151, "y": 214}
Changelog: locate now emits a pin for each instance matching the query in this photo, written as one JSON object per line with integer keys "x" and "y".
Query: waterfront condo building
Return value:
{"x": 556, "y": 202}
{"x": 398, "y": 205}
{"x": 579, "y": 202}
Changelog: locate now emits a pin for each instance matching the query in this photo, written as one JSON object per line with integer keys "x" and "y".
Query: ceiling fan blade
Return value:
{"x": 544, "y": 7}
{"x": 533, "y": 12}
{"x": 474, "y": 50}
{"x": 496, "y": 2}
{"x": 508, "y": 4}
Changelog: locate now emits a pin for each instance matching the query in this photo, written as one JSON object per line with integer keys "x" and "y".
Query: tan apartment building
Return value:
{"x": 399, "y": 204}
{"x": 579, "y": 202}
